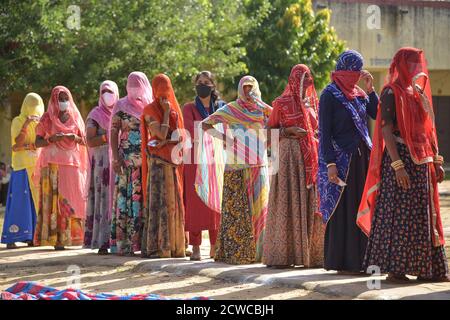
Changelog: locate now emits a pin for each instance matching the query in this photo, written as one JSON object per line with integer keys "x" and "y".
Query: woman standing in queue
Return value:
{"x": 199, "y": 217}
{"x": 23, "y": 199}
{"x": 344, "y": 151}
{"x": 61, "y": 173}
{"x": 162, "y": 138}
{"x": 237, "y": 188}
{"x": 294, "y": 229}
{"x": 100, "y": 180}
{"x": 126, "y": 163}
{"x": 400, "y": 204}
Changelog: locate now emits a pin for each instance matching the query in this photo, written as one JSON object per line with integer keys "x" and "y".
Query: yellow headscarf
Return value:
{"x": 32, "y": 106}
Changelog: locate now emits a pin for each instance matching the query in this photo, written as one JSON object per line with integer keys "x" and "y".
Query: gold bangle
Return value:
{"x": 165, "y": 125}
{"x": 397, "y": 163}
{"x": 331, "y": 164}
{"x": 438, "y": 159}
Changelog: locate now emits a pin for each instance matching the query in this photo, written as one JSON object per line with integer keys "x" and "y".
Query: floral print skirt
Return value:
{"x": 236, "y": 243}
{"x": 163, "y": 233}
{"x": 56, "y": 225}
{"x": 400, "y": 240}
{"x": 127, "y": 212}
{"x": 98, "y": 221}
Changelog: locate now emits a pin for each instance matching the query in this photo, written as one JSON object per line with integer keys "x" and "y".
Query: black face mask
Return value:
{"x": 203, "y": 91}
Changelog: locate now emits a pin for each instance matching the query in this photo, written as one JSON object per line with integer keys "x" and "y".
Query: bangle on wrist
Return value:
{"x": 164, "y": 125}
{"x": 331, "y": 164}
{"x": 397, "y": 165}
{"x": 438, "y": 159}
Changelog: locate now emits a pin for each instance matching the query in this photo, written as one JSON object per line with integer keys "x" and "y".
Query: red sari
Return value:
{"x": 198, "y": 216}
{"x": 415, "y": 121}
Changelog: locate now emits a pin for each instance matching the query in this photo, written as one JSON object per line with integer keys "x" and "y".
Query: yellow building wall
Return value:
{"x": 421, "y": 27}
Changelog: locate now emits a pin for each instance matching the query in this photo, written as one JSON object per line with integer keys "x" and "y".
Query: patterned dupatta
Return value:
{"x": 247, "y": 120}
{"x": 330, "y": 193}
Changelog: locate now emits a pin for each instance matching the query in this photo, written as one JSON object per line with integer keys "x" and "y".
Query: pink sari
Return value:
{"x": 70, "y": 156}
{"x": 102, "y": 115}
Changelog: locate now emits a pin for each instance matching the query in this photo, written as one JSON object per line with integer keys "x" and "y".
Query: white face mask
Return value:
{"x": 109, "y": 99}
{"x": 64, "y": 105}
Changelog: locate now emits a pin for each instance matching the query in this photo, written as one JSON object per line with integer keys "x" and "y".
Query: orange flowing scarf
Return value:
{"x": 415, "y": 121}
{"x": 162, "y": 88}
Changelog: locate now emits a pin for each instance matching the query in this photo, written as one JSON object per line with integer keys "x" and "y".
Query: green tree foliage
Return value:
{"x": 41, "y": 45}
{"x": 290, "y": 34}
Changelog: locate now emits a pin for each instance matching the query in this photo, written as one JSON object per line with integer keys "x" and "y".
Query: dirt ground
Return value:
{"x": 127, "y": 280}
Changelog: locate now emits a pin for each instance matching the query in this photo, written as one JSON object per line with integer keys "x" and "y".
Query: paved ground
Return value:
{"x": 183, "y": 278}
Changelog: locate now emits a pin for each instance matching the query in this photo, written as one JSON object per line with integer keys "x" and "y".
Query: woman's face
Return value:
{"x": 205, "y": 81}
{"x": 63, "y": 96}
{"x": 106, "y": 90}
{"x": 307, "y": 81}
{"x": 247, "y": 89}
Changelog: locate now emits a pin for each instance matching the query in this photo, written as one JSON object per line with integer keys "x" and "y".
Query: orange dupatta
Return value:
{"x": 162, "y": 88}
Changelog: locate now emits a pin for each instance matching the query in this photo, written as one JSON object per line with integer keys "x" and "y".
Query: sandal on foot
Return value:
{"x": 348, "y": 273}
{"x": 196, "y": 257}
{"x": 59, "y": 248}
{"x": 397, "y": 279}
{"x": 102, "y": 252}
{"x": 443, "y": 279}
{"x": 285, "y": 266}
{"x": 11, "y": 246}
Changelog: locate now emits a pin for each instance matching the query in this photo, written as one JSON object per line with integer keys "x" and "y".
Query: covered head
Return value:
{"x": 32, "y": 105}
{"x": 407, "y": 66}
{"x": 300, "y": 83}
{"x": 251, "y": 82}
{"x": 350, "y": 60}
{"x": 74, "y": 124}
{"x": 348, "y": 72}
{"x": 108, "y": 94}
{"x": 139, "y": 91}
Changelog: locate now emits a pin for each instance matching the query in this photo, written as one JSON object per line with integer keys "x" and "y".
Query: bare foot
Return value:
{"x": 212, "y": 251}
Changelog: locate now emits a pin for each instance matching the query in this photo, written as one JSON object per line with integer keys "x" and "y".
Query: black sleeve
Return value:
{"x": 388, "y": 107}
{"x": 372, "y": 106}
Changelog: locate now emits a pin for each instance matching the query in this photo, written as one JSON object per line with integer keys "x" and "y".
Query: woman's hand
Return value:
{"x": 73, "y": 137}
{"x": 333, "y": 174}
{"x": 440, "y": 172}
{"x": 403, "y": 180}
{"x": 229, "y": 141}
{"x": 165, "y": 104}
{"x": 161, "y": 143}
{"x": 367, "y": 77}
{"x": 56, "y": 137}
{"x": 29, "y": 120}
{"x": 295, "y": 132}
